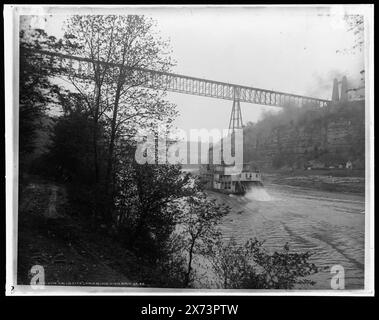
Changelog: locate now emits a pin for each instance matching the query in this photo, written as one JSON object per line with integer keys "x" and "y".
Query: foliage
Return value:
{"x": 294, "y": 136}
{"x": 116, "y": 96}
{"x": 144, "y": 199}
{"x": 251, "y": 267}
{"x": 35, "y": 88}
{"x": 70, "y": 151}
{"x": 198, "y": 230}
{"x": 355, "y": 25}
{"x": 170, "y": 268}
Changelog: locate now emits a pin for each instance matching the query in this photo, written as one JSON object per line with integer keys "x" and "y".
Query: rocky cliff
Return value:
{"x": 301, "y": 137}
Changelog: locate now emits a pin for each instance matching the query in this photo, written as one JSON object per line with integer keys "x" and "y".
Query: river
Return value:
{"x": 330, "y": 225}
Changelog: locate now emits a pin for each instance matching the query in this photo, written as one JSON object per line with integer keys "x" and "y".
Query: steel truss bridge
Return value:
{"x": 82, "y": 67}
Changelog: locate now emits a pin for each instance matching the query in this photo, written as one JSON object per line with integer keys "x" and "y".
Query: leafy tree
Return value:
{"x": 70, "y": 151}
{"x": 35, "y": 94}
{"x": 169, "y": 271}
{"x": 198, "y": 222}
{"x": 355, "y": 25}
{"x": 144, "y": 204}
{"x": 87, "y": 36}
{"x": 116, "y": 94}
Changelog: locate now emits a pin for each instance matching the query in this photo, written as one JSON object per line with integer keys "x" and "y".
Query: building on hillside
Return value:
{"x": 349, "y": 165}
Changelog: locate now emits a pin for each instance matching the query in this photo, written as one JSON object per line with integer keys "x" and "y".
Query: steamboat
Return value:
{"x": 223, "y": 178}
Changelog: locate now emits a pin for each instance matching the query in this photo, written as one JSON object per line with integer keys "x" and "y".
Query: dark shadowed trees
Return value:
{"x": 116, "y": 95}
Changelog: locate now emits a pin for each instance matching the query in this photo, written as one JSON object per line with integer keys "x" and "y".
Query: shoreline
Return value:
{"x": 322, "y": 181}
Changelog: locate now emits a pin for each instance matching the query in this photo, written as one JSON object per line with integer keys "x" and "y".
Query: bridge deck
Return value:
{"x": 174, "y": 82}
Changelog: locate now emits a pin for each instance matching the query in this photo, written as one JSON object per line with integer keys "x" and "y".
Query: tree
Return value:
{"x": 116, "y": 94}
{"x": 70, "y": 151}
{"x": 198, "y": 222}
{"x": 36, "y": 93}
{"x": 86, "y": 36}
{"x": 355, "y": 25}
{"x": 143, "y": 203}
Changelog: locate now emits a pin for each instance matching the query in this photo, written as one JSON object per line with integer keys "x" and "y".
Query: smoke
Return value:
{"x": 258, "y": 194}
{"x": 322, "y": 84}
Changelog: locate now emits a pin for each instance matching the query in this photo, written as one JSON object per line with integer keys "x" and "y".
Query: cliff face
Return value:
{"x": 296, "y": 138}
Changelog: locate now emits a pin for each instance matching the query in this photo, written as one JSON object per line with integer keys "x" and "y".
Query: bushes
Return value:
{"x": 251, "y": 267}
{"x": 198, "y": 222}
{"x": 142, "y": 202}
{"x": 71, "y": 151}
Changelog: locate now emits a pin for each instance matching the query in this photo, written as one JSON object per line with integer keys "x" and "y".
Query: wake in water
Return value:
{"x": 258, "y": 194}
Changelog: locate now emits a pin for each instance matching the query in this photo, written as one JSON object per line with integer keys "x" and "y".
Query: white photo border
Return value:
{"x": 11, "y": 58}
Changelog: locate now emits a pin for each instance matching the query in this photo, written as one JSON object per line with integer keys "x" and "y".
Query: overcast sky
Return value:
{"x": 285, "y": 49}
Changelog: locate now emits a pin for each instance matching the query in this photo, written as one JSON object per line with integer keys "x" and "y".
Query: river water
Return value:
{"x": 329, "y": 225}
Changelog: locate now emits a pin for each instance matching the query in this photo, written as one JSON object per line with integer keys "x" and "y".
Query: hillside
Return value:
{"x": 298, "y": 138}
{"x": 53, "y": 235}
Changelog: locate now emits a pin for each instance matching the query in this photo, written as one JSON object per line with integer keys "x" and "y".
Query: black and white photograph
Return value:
{"x": 189, "y": 149}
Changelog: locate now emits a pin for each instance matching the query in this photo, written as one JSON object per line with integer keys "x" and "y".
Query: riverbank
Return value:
{"x": 345, "y": 181}
{"x": 70, "y": 250}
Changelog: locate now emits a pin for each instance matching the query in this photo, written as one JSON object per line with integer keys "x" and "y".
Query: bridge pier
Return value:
{"x": 235, "y": 121}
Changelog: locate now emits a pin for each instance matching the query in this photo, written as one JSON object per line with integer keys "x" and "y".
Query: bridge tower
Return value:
{"x": 235, "y": 121}
{"x": 340, "y": 96}
{"x": 344, "y": 89}
{"x": 335, "y": 93}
